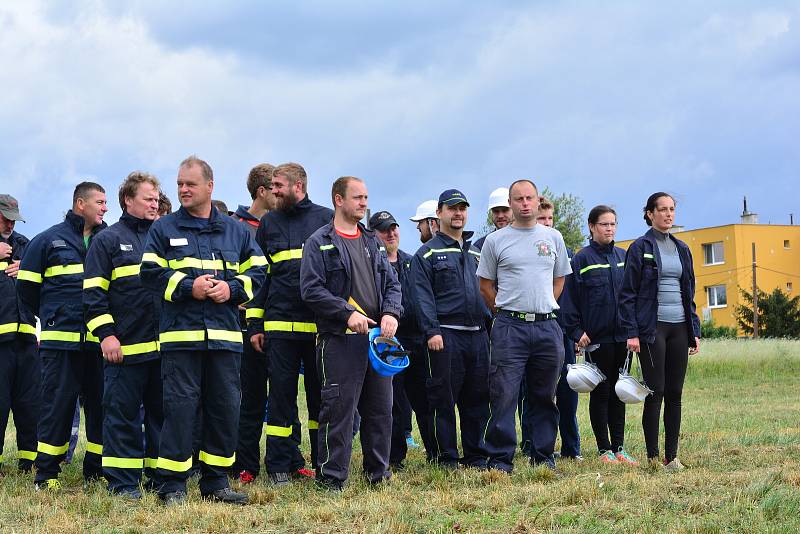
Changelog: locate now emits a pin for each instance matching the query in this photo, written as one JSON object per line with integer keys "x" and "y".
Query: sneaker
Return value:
{"x": 173, "y": 498}
{"x": 411, "y": 443}
{"x": 576, "y": 458}
{"x": 49, "y": 484}
{"x": 304, "y": 473}
{"x": 246, "y": 477}
{"x": 228, "y": 496}
{"x": 674, "y": 466}
{"x": 607, "y": 457}
{"x": 625, "y": 458}
{"x": 279, "y": 479}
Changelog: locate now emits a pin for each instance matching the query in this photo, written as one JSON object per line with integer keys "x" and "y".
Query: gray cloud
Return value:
{"x": 610, "y": 103}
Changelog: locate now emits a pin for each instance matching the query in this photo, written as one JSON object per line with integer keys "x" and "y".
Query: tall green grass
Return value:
{"x": 740, "y": 440}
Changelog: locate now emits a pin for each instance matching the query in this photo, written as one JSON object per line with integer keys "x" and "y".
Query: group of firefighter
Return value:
{"x": 183, "y": 334}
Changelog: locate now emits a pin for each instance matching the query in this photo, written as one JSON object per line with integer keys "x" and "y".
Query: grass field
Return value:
{"x": 740, "y": 441}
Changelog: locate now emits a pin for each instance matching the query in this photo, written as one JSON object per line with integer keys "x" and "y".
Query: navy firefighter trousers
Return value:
{"x": 535, "y": 350}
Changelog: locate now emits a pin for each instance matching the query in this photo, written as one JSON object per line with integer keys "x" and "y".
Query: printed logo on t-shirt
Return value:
{"x": 543, "y": 248}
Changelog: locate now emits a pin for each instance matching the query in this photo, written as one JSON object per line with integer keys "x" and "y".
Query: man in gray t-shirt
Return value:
{"x": 521, "y": 273}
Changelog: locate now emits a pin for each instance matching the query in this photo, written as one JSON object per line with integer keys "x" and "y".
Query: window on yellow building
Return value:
{"x": 787, "y": 243}
{"x": 713, "y": 253}
{"x": 788, "y": 287}
{"x": 717, "y": 296}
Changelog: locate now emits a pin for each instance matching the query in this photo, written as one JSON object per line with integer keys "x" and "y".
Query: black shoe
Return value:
{"x": 152, "y": 485}
{"x": 132, "y": 494}
{"x": 228, "y": 496}
{"x": 279, "y": 479}
{"x": 329, "y": 484}
{"x": 397, "y": 466}
{"x": 549, "y": 463}
{"x": 173, "y": 498}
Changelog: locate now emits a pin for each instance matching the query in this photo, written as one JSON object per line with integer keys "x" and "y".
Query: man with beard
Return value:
{"x": 50, "y": 284}
{"x": 283, "y": 325}
{"x": 427, "y": 220}
{"x": 409, "y": 386}
{"x": 20, "y": 368}
{"x": 348, "y": 282}
{"x": 499, "y": 211}
{"x": 453, "y": 319}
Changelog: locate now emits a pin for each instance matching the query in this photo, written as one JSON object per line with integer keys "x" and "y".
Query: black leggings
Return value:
{"x": 664, "y": 369}
{"x": 606, "y": 411}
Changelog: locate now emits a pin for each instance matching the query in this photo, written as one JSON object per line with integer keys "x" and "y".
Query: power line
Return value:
{"x": 779, "y": 272}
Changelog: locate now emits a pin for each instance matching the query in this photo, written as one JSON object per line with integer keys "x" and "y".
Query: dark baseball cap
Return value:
{"x": 382, "y": 220}
{"x": 451, "y": 197}
{"x": 9, "y": 207}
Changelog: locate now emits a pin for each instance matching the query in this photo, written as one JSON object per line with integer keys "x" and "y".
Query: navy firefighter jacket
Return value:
{"x": 277, "y": 309}
{"x": 592, "y": 292}
{"x": 326, "y": 280}
{"x": 114, "y": 301}
{"x": 408, "y": 326}
{"x": 16, "y": 320}
{"x": 50, "y": 283}
{"x": 638, "y": 300}
{"x": 445, "y": 285}
{"x": 181, "y": 248}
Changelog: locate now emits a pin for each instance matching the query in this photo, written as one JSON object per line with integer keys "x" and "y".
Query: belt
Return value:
{"x": 461, "y": 328}
{"x": 529, "y": 317}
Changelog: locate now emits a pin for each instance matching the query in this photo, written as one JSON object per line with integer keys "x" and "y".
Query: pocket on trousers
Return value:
{"x": 436, "y": 393}
{"x": 329, "y": 407}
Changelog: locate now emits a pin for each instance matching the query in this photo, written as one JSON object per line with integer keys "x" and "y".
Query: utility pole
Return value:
{"x": 755, "y": 296}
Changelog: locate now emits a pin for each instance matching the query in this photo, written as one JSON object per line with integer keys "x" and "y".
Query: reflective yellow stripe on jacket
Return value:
{"x": 63, "y": 270}
{"x": 289, "y": 326}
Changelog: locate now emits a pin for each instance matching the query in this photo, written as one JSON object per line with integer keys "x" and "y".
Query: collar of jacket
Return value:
{"x": 449, "y": 241}
{"x": 242, "y": 213}
{"x": 14, "y": 239}
{"x": 77, "y": 222}
{"x": 135, "y": 223}
{"x": 364, "y": 230}
{"x": 185, "y": 220}
{"x": 602, "y": 249}
{"x": 303, "y": 204}
{"x": 652, "y": 236}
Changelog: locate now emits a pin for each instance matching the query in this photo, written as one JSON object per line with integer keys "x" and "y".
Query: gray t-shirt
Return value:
{"x": 524, "y": 262}
{"x": 670, "y": 304}
{"x": 364, "y": 293}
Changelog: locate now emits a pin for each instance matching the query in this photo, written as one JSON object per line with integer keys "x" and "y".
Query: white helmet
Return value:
{"x": 426, "y": 210}
{"x": 499, "y": 198}
{"x": 583, "y": 377}
{"x": 628, "y": 389}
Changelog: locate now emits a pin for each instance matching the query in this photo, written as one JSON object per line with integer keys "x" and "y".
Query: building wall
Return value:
{"x": 778, "y": 265}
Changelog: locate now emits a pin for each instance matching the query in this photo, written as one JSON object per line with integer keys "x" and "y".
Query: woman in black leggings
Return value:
{"x": 591, "y": 318}
{"x": 659, "y": 315}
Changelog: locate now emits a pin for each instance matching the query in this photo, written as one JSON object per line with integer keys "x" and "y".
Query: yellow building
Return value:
{"x": 723, "y": 263}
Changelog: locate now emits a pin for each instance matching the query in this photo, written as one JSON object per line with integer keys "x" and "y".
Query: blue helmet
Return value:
{"x": 386, "y": 354}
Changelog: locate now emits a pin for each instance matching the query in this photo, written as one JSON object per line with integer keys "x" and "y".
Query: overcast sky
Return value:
{"x": 611, "y": 103}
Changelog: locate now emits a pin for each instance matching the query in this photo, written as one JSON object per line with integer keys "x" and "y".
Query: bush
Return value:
{"x": 708, "y": 330}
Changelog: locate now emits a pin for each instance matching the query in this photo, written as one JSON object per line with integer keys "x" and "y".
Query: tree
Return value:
{"x": 778, "y": 315}
{"x": 567, "y": 218}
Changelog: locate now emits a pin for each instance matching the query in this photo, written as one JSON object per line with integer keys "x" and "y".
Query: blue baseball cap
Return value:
{"x": 451, "y": 197}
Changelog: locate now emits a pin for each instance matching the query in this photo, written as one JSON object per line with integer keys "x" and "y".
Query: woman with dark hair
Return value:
{"x": 660, "y": 321}
{"x": 591, "y": 318}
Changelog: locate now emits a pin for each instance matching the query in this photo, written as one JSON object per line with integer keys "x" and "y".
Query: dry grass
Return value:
{"x": 741, "y": 442}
